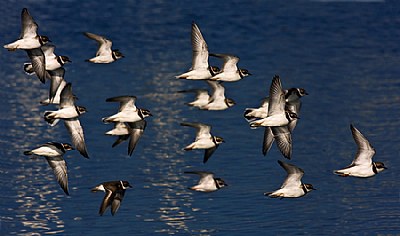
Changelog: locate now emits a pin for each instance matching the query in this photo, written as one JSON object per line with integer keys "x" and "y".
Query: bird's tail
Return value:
{"x": 106, "y": 120}
{"x": 49, "y": 118}
{"x": 247, "y": 115}
{"x": 28, "y": 68}
{"x": 28, "y": 153}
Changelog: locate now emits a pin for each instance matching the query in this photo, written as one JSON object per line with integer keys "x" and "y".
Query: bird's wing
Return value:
{"x": 218, "y": 91}
{"x": 38, "y": 63}
{"x": 208, "y": 152}
{"x": 268, "y": 140}
{"x": 56, "y": 79}
{"x": 104, "y": 44}
{"x": 199, "y": 48}
{"x": 60, "y": 171}
{"x": 136, "y": 131}
{"x": 283, "y": 139}
{"x": 230, "y": 61}
{"x": 205, "y": 176}
{"x": 48, "y": 50}
{"x": 116, "y": 202}
{"x": 77, "y": 137}
{"x": 67, "y": 98}
{"x": 203, "y": 130}
{"x": 107, "y": 200}
{"x": 28, "y": 25}
{"x": 125, "y": 101}
{"x": 294, "y": 175}
{"x": 276, "y": 102}
{"x": 365, "y": 151}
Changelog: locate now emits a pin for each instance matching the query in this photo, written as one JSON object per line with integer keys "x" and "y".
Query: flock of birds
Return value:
{"x": 278, "y": 114}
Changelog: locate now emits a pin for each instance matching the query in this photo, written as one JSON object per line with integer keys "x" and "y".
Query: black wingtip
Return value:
{"x": 84, "y": 154}
{"x": 130, "y": 150}
{"x": 206, "y": 157}
{"x": 264, "y": 152}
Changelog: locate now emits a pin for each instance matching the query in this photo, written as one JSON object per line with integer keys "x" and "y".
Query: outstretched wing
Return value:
{"x": 203, "y": 130}
{"x": 199, "y": 49}
{"x": 107, "y": 200}
{"x": 60, "y": 171}
{"x": 283, "y": 139}
{"x": 28, "y": 25}
{"x": 38, "y": 63}
{"x": 77, "y": 137}
{"x": 230, "y": 61}
{"x": 125, "y": 101}
{"x": 276, "y": 103}
{"x": 116, "y": 202}
{"x": 365, "y": 151}
{"x": 294, "y": 175}
{"x": 104, "y": 44}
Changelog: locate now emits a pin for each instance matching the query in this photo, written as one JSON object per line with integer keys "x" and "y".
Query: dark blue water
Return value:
{"x": 345, "y": 54}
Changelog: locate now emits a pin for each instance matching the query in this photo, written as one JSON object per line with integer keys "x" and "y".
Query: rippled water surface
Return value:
{"x": 345, "y": 54}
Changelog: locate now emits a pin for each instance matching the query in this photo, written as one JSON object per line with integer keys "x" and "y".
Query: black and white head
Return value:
{"x": 244, "y": 73}
{"x": 124, "y": 184}
{"x": 291, "y": 116}
{"x": 229, "y": 102}
{"x": 218, "y": 140}
{"x": 80, "y": 110}
{"x": 214, "y": 70}
{"x": 116, "y": 54}
{"x": 67, "y": 146}
{"x": 143, "y": 113}
{"x": 308, "y": 187}
{"x": 43, "y": 39}
{"x": 64, "y": 59}
{"x": 294, "y": 94}
{"x": 379, "y": 166}
{"x": 219, "y": 183}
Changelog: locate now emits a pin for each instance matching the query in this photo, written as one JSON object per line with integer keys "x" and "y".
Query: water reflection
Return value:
{"x": 37, "y": 202}
{"x": 175, "y": 206}
{"x": 36, "y": 196}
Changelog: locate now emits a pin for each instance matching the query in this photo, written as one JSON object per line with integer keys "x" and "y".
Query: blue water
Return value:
{"x": 345, "y": 54}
